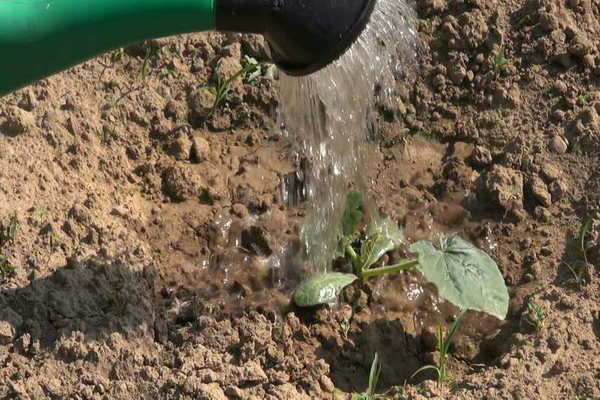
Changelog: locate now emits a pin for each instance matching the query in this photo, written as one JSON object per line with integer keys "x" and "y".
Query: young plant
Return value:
{"x": 499, "y": 62}
{"x": 9, "y": 232}
{"x": 443, "y": 346}
{"x": 373, "y": 381}
{"x": 250, "y": 67}
{"x": 462, "y": 274}
{"x": 7, "y": 271}
{"x": 584, "y": 246}
{"x": 118, "y": 304}
{"x": 536, "y": 315}
{"x": 578, "y": 268}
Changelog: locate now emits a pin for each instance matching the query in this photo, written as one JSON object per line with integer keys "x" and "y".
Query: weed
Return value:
{"x": 577, "y": 272}
{"x": 108, "y": 135}
{"x": 373, "y": 380}
{"x": 53, "y": 241}
{"x": 426, "y": 136}
{"x": 527, "y": 20}
{"x": 151, "y": 52}
{"x": 118, "y": 304}
{"x": 9, "y": 232}
{"x": 141, "y": 76}
{"x": 7, "y": 271}
{"x": 41, "y": 212}
{"x": 250, "y": 67}
{"x": 584, "y": 246}
{"x": 117, "y": 55}
{"x": 499, "y": 62}
{"x": 578, "y": 268}
{"x": 420, "y": 389}
{"x": 536, "y": 315}
{"x": 443, "y": 346}
{"x": 583, "y": 99}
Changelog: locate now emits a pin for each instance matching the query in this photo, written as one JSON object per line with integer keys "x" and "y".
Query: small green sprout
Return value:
{"x": 7, "y": 271}
{"x": 118, "y": 304}
{"x": 370, "y": 394}
{"x": 250, "y": 67}
{"x": 527, "y": 20}
{"x": 578, "y": 268}
{"x": 499, "y": 62}
{"x": 9, "y": 232}
{"x": 117, "y": 55}
{"x": 444, "y": 342}
{"x": 536, "y": 315}
{"x": 584, "y": 98}
{"x": 41, "y": 212}
{"x": 584, "y": 246}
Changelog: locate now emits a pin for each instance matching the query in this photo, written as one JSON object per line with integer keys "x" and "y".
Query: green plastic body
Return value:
{"x": 41, "y": 37}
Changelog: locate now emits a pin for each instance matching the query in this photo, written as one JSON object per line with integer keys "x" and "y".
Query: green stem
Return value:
{"x": 390, "y": 269}
{"x": 352, "y": 254}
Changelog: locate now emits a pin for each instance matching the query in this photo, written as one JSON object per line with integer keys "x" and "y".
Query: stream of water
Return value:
{"x": 327, "y": 115}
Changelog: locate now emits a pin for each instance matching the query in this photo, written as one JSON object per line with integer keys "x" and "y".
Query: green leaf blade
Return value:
{"x": 463, "y": 275}
{"x": 383, "y": 235}
{"x": 322, "y": 289}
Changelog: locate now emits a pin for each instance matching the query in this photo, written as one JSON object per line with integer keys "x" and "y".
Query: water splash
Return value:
{"x": 327, "y": 115}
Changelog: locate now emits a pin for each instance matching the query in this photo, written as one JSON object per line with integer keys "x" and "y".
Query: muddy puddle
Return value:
{"x": 256, "y": 261}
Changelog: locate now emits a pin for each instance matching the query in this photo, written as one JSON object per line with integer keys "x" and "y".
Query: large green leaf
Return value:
{"x": 322, "y": 288}
{"x": 463, "y": 275}
{"x": 383, "y": 235}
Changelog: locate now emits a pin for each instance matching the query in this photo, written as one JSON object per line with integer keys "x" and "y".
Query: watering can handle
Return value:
{"x": 41, "y": 37}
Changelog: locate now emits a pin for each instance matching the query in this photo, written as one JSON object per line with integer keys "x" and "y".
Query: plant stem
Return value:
{"x": 352, "y": 254}
{"x": 390, "y": 269}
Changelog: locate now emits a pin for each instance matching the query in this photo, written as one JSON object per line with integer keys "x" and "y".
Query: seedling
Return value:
{"x": 462, "y": 274}
{"x": 584, "y": 246}
{"x": 118, "y": 304}
{"x": 117, "y": 55}
{"x": 7, "y": 271}
{"x": 578, "y": 268}
{"x": 373, "y": 380}
{"x": 527, "y": 20}
{"x": 499, "y": 62}
{"x": 577, "y": 272}
{"x": 9, "y": 232}
{"x": 41, "y": 212}
{"x": 583, "y": 99}
{"x": 443, "y": 346}
{"x": 249, "y": 67}
{"x": 141, "y": 76}
{"x": 536, "y": 315}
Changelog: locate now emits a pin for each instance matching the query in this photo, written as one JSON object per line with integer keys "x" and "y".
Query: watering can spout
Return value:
{"x": 41, "y": 37}
{"x": 304, "y": 35}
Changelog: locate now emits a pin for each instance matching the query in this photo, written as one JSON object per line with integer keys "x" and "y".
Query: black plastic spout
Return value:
{"x": 304, "y": 35}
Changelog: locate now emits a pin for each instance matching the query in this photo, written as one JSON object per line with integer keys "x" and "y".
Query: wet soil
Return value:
{"x": 147, "y": 249}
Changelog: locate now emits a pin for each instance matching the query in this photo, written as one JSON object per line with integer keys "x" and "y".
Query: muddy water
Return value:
{"x": 327, "y": 115}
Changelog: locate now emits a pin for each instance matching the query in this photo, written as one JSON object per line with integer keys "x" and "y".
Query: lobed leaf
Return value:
{"x": 463, "y": 275}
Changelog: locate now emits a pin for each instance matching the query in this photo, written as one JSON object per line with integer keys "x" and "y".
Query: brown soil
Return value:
{"x": 140, "y": 233}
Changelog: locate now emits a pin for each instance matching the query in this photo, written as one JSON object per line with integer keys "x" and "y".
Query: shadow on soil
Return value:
{"x": 95, "y": 298}
{"x": 350, "y": 362}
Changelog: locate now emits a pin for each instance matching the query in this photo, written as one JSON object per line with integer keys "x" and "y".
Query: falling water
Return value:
{"x": 327, "y": 115}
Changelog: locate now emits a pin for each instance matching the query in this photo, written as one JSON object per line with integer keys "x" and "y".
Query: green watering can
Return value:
{"x": 41, "y": 37}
